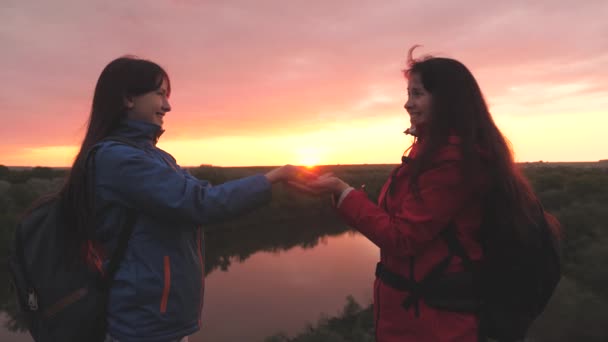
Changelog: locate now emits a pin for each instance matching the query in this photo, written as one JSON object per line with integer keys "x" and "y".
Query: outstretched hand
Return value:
{"x": 303, "y": 180}
{"x": 328, "y": 184}
{"x": 324, "y": 184}
{"x": 290, "y": 173}
{"x": 305, "y": 188}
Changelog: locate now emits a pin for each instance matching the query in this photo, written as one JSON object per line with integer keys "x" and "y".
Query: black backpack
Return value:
{"x": 510, "y": 287}
{"x": 508, "y": 290}
{"x": 517, "y": 278}
{"x": 60, "y": 301}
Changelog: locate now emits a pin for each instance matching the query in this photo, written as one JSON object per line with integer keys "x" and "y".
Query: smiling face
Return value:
{"x": 419, "y": 102}
{"x": 150, "y": 107}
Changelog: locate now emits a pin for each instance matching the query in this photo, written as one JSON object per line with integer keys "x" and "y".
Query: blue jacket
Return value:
{"x": 157, "y": 294}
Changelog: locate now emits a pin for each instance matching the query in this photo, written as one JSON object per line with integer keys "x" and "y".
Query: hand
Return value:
{"x": 290, "y": 173}
{"x": 304, "y": 188}
{"x": 328, "y": 183}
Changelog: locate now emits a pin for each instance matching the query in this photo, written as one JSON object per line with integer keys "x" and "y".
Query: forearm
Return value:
{"x": 394, "y": 235}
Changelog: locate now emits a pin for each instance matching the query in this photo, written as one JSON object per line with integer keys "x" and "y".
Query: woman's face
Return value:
{"x": 150, "y": 107}
{"x": 418, "y": 103}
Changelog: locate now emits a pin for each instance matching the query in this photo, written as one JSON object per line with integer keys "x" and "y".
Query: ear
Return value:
{"x": 128, "y": 102}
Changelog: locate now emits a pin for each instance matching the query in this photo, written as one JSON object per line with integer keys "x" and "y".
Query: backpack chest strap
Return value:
{"x": 437, "y": 287}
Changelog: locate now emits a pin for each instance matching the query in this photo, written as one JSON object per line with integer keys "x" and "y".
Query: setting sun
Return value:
{"x": 308, "y": 157}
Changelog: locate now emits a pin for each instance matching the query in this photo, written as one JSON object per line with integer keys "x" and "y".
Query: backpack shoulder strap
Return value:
{"x": 455, "y": 247}
{"x": 121, "y": 247}
{"x": 127, "y": 228}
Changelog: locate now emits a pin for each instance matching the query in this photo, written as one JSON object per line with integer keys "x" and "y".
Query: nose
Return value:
{"x": 408, "y": 105}
{"x": 166, "y": 105}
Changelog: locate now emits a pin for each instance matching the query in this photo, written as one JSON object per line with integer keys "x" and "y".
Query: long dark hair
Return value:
{"x": 122, "y": 78}
{"x": 458, "y": 107}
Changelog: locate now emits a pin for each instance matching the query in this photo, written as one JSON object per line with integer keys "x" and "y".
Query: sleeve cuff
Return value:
{"x": 343, "y": 196}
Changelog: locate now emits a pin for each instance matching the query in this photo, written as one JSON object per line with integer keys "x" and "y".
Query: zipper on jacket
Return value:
{"x": 167, "y": 284}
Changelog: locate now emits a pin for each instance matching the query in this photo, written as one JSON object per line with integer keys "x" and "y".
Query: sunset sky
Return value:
{"x": 260, "y": 82}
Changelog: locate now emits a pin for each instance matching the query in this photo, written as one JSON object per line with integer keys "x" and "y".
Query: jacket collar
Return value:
{"x": 139, "y": 131}
{"x": 414, "y": 149}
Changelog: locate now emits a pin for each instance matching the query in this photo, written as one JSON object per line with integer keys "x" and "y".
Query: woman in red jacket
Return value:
{"x": 438, "y": 190}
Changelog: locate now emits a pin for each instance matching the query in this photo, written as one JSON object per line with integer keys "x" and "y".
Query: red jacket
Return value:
{"x": 407, "y": 234}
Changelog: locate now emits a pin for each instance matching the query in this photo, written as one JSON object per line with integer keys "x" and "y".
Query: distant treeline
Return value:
{"x": 22, "y": 175}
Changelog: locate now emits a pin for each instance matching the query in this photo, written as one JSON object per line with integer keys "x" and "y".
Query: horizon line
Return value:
{"x": 320, "y": 165}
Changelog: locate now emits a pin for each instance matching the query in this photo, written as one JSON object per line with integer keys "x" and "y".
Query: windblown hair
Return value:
{"x": 458, "y": 108}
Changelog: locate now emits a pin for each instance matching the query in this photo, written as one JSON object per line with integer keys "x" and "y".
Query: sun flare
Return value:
{"x": 309, "y": 162}
{"x": 309, "y": 157}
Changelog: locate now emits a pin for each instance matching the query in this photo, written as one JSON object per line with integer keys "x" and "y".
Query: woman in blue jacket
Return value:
{"x": 157, "y": 292}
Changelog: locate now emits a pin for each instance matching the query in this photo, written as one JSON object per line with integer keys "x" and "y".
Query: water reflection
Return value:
{"x": 8, "y": 335}
{"x": 282, "y": 291}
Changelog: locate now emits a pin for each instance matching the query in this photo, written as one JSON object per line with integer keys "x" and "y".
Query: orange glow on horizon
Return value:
{"x": 372, "y": 141}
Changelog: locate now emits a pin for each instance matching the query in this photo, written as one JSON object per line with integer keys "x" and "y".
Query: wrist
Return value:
{"x": 273, "y": 176}
{"x": 339, "y": 199}
{"x": 340, "y": 187}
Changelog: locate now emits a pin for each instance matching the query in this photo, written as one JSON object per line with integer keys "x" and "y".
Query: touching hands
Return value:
{"x": 290, "y": 173}
{"x": 303, "y": 180}
{"x": 324, "y": 184}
